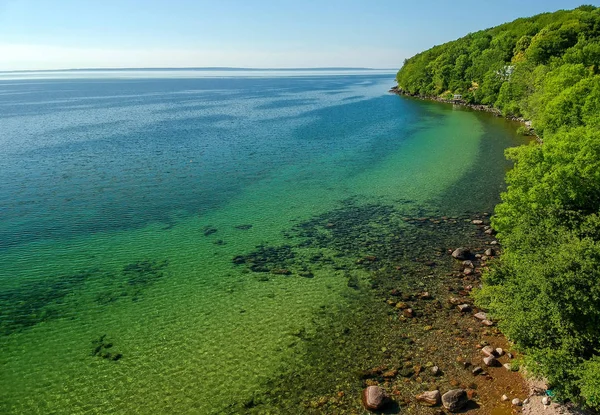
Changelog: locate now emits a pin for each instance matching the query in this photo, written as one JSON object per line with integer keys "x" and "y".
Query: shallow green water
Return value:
{"x": 192, "y": 262}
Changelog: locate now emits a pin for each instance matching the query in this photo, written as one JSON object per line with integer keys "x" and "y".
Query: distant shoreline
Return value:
{"x": 200, "y": 68}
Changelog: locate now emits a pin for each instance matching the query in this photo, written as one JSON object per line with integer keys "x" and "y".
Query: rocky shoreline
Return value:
{"x": 529, "y": 130}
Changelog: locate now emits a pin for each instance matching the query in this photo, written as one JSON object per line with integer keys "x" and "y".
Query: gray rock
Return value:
{"x": 374, "y": 398}
{"x": 468, "y": 264}
{"x": 431, "y": 398}
{"x": 490, "y": 361}
{"x": 455, "y": 400}
{"x": 461, "y": 253}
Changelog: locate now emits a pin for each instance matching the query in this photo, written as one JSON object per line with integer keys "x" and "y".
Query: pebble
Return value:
{"x": 507, "y": 366}
{"x": 517, "y": 402}
{"x": 477, "y": 371}
{"x": 431, "y": 398}
{"x": 504, "y": 398}
{"x": 487, "y": 323}
{"x": 546, "y": 400}
{"x": 464, "y": 308}
{"x": 499, "y": 351}
{"x": 477, "y": 222}
{"x": 435, "y": 371}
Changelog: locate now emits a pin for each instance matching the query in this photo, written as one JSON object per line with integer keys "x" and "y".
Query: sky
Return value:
{"x": 67, "y": 34}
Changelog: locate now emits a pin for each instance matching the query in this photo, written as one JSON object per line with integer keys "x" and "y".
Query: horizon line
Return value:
{"x": 201, "y": 68}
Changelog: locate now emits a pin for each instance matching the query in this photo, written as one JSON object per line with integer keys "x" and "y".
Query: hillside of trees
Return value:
{"x": 545, "y": 289}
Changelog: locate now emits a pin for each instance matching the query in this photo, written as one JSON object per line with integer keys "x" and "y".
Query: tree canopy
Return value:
{"x": 545, "y": 288}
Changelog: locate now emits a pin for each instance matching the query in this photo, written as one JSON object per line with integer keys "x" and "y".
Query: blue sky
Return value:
{"x": 44, "y": 34}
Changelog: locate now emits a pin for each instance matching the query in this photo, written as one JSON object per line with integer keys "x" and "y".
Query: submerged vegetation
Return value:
{"x": 545, "y": 290}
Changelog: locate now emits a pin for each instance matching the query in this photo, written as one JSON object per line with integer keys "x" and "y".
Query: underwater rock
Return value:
{"x": 374, "y": 398}
{"x": 281, "y": 271}
{"x": 431, "y": 398}
{"x": 101, "y": 347}
{"x": 461, "y": 253}
{"x": 243, "y": 227}
{"x": 209, "y": 230}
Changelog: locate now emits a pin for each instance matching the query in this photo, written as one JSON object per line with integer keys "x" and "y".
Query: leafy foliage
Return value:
{"x": 545, "y": 290}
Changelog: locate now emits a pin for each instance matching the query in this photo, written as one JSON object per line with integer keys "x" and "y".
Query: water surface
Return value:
{"x": 185, "y": 244}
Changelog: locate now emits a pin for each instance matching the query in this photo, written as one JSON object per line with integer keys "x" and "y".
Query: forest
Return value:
{"x": 544, "y": 291}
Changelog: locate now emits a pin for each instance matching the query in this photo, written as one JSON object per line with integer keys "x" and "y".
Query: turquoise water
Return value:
{"x": 193, "y": 244}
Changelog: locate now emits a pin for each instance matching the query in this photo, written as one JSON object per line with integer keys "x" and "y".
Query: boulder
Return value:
{"x": 374, "y": 398}
{"x": 461, "y": 253}
{"x": 431, "y": 398}
{"x": 455, "y": 399}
